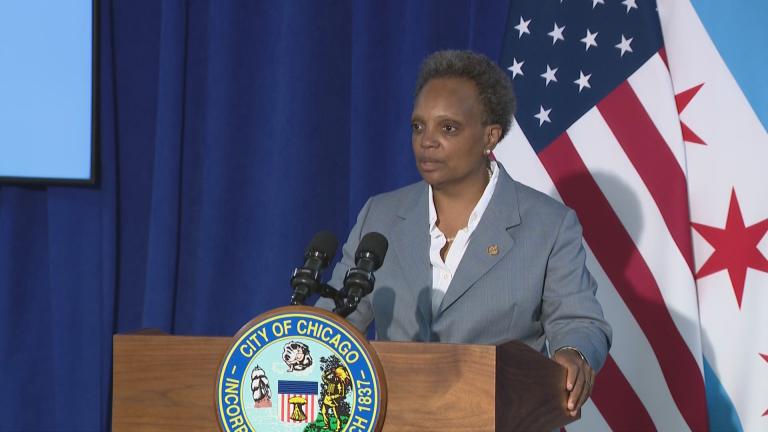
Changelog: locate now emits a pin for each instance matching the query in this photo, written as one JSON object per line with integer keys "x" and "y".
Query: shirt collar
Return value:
{"x": 477, "y": 212}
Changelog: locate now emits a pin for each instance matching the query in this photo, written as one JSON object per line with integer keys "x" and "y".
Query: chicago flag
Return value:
{"x": 652, "y": 128}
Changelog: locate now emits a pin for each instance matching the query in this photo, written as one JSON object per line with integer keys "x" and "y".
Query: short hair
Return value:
{"x": 494, "y": 87}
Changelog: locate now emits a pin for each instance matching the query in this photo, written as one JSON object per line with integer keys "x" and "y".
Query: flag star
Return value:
{"x": 624, "y": 45}
{"x": 557, "y": 34}
{"x": 583, "y": 81}
{"x": 597, "y": 2}
{"x": 630, "y": 4}
{"x": 736, "y": 248}
{"x": 523, "y": 27}
{"x": 543, "y": 115}
{"x": 765, "y": 357}
{"x": 682, "y": 100}
{"x": 549, "y": 75}
{"x": 589, "y": 40}
{"x": 516, "y": 68}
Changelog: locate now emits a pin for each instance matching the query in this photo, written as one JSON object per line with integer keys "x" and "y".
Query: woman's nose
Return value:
{"x": 427, "y": 138}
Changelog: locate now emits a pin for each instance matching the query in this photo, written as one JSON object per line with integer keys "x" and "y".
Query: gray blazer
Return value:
{"x": 535, "y": 287}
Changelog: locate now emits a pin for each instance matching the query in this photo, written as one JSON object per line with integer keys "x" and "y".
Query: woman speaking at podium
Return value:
{"x": 474, "y": 256}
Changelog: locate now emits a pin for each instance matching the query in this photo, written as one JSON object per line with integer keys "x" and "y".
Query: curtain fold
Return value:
{"x": 165, "y": 200}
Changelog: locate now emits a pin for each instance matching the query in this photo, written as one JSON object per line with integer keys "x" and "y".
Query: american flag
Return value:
{"x": 307, "y": 390}
{"x": 602, "y": 125}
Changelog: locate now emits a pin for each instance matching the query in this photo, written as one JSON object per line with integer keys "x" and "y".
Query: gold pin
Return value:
{"x": 493, "y": 250}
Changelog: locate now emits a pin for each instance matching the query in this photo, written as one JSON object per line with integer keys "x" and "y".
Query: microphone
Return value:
{"x": 359, "y": 280}
{"x": 305, "y": 280}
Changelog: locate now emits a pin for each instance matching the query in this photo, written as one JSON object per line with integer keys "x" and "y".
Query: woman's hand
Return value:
{"x": 579, "y": 378}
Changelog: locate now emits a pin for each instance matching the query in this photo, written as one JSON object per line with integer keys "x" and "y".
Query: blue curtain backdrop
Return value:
{"x": 230, "y": 132}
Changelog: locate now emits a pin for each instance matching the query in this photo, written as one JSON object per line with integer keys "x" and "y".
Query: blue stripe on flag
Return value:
{"x": 722, "y": 413}
{"x": 738, "y": 29}
{"x": 297, "y": 387}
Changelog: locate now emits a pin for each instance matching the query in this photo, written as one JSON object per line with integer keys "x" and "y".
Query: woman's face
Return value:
{"x": 447, "y": 132}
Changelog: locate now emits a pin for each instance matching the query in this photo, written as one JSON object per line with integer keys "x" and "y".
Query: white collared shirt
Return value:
{"x": 443, "y": 271}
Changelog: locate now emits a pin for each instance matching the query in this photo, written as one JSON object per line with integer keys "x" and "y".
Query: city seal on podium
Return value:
{"x": 299, "y": 368}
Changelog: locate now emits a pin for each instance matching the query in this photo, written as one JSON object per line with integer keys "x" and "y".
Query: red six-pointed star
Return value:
{"x": 735, "y": 248}
{"x": 682, "y": 100}
{"x": 765, "y": 357}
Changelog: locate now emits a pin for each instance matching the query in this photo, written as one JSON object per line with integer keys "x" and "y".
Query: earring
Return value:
{"x": 487, "y": 152}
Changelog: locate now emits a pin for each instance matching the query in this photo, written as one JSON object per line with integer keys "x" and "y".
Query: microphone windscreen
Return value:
{"x": 376, "y": 244}
{"x": 324, "y": 242}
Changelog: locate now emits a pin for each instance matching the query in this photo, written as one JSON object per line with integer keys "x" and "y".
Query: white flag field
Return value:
{"x": 649, "y": 119}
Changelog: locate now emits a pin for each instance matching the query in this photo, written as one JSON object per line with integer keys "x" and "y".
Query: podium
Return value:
{"x": 166, "y": 383}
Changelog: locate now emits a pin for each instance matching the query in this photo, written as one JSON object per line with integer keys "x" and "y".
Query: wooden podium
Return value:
{"x": 166, "y": 383}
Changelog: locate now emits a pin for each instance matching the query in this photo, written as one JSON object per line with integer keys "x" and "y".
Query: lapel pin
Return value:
{"x": 493, "y": 250}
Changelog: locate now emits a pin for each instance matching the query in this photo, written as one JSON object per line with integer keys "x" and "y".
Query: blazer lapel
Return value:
{"x": 490, "y": 241}
{"x": 411, "y": 244}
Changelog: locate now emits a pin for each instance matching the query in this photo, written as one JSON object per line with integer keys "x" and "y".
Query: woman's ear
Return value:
{"x": 492, "y": 136}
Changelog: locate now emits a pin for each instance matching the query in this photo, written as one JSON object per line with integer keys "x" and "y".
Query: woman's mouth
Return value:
{"x": 429, "y": 164}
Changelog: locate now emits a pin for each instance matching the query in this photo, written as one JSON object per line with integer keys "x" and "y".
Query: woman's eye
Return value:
{"x": 416, "y": 127}
{"x": 449, "y": 128}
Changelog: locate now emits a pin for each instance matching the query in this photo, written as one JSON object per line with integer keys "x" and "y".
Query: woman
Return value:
{"x": 474, "y": 256}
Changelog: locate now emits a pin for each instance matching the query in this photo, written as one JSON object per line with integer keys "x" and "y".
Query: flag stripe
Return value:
{"x": 653, "y": 86}
{"x": 298, "y": 387}
{"x": 617, "y": 402}
{"x": 653, "y": 160}
{"x": 630, "y": 275}
{"x": 636, "y": 209}
{"x": 632, "y": 353}
{"x": 285, "y": 407}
